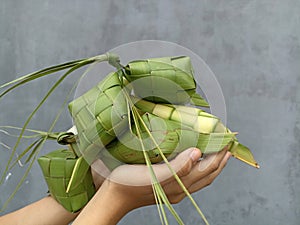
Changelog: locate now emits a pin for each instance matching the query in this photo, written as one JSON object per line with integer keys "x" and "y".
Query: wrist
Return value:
{"x": 119, "y": 203}
{"x": 107, "y": 207}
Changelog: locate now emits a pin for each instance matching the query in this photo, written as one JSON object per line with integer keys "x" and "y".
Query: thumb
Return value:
{"x": 182, "y": 165}
{"x": 184, "y": 162}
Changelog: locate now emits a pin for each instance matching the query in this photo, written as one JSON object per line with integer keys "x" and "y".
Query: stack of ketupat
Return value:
{"x": 146, "y": 112}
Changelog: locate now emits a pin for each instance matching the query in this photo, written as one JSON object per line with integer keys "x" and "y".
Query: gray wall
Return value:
{"x": 253, "y": 47}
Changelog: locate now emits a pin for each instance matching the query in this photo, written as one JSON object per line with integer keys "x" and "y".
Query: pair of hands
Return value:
{"x": 126, "y": 188}
{"x": 194, "y": 173}
{"x": 129, "y": 186}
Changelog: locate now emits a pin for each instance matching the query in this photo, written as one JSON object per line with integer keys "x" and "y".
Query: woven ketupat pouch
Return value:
{"x": 57, "y": 167}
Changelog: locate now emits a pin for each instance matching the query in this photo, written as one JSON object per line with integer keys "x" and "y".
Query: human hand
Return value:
{"x": 129, "y": 186}
{"x": 195, "y": 175}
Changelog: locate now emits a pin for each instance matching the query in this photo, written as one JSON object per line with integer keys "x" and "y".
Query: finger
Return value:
{"x": 209, "y": 164}
{"x": 212, "y": 161}
{"x": 184, "y": 162}
{"x": 181, "y": 165}
{"x": 211, "y": 177}
{"x": 172, "y": 188}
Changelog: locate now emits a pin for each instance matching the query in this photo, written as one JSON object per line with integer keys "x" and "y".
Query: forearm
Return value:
{"x": 107, "y": 207}
{"x": 43, "y": 212}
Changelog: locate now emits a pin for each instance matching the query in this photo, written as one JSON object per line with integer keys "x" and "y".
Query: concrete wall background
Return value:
{"x": 253, "y": 47}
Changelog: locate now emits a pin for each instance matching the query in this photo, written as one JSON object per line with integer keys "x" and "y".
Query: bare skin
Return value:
{"x": 46, "y": 211}
{"x": 127, "y": 187}
{"x": 123, "y": 191}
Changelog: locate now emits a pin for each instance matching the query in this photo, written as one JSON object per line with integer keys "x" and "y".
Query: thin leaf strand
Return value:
{"x": 174, "y": 173}
{"x": 24, "y": 176}
{"x": 36, "y": 109}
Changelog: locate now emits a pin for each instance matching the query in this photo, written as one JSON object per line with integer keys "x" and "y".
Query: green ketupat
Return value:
{"x": 100, "y": 114}
{"x": 172, "y": 138}
{"x": 57, "y": 168}
{"x": 201, "y": 122}
{"x": 168, "y": 79}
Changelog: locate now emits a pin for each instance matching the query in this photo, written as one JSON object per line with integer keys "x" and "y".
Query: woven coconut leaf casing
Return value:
{"x": 172, "y": 138}
{"x": 165, "y": 80}
{"x": 99, "y": 115}
{"x": 57, "y": 168}
{"x": 203, "y": 123}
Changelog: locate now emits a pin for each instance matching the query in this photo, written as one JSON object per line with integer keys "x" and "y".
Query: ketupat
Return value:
{"x": 95, "y": 115}
{"x": 201, "y": 122}
{"x": 57, "y": 167}
{"x": 172, "y": 139}
{"x": 168, "y": 79}
{"x": 108, "y": 111}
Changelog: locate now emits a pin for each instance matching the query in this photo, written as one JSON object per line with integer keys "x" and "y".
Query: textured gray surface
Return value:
{"x": 253, "y": 47}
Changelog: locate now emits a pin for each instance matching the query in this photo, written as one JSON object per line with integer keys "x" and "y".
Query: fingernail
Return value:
{"x": 195, "y": 154}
